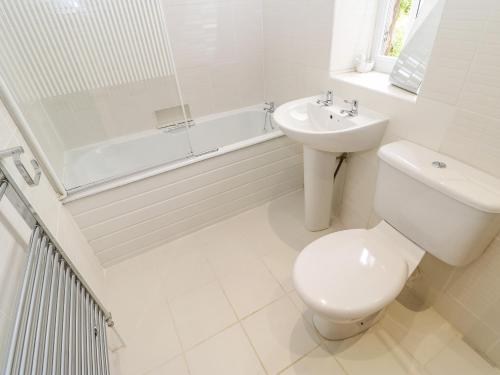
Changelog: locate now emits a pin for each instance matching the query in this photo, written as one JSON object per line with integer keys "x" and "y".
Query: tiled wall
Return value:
{"x": 218, "y": 52}
{"x": 57, "y": 218}
{"x": 302, "y": 40}
{"x": 457, "y": 113}
{"x": 297, "y": 40}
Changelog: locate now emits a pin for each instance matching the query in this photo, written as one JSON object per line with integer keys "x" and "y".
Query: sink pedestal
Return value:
{"x": 319, "y": 167}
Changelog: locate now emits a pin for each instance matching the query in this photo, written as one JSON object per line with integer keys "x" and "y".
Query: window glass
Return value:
{"x": 398, "y": 22}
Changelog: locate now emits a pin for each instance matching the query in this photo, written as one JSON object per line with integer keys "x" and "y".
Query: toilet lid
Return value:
{"x": 349, "y": 274}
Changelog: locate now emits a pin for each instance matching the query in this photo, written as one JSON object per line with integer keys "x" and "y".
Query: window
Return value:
{"x": 394, "y": 23}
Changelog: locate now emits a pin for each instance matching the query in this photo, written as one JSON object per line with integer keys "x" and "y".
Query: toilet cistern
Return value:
{"x": 450, "y": 209}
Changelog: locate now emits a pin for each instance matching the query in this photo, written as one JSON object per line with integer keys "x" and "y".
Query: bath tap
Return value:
{"x": 269, "y": 107}
{"x": 354, "y": 108}
{"x": 328, "y": 102}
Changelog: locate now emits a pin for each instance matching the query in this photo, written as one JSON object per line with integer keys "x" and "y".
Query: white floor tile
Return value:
{"x": 244, "y": 265}
{"x": 373, "y": 353}
{"x": 424, "y": 333}
{"x": 184, "y": 272}
{"x": 201, "y": 314}
{"x": 307, "y": 313}
{"x": 150, "y": 339}
{"x": 318, "y": 362}
{"x": 280, "y": 263}
{"x": 251, "y": 289}
{"x": 231, "y": 260}
{"x": 280, "y": 335}
{"x": 135, "y": 284}
{"x": 176, "y": 366}
{"x": 228, "y": 353}
{"x": 459, "y": 359}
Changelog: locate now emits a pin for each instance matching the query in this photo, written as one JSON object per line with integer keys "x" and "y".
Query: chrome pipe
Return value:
{"x": 71, "y": 338}
{"x": 83, "y": 328}
{"x": 49, "y": 338}
{"x": 12, "y": 364}
{"x": 56, "y": 358}
{"x": 33, "y": 310}
{"x": 65, "y": 322}
{"x": 78, "y": 329}
{"x": 104, "y": 341}
{"x": 41, "y": 324}
{"x": 97, "y": 333}
{"x": 88, "y": 334}
{"x": 92, "y": 338}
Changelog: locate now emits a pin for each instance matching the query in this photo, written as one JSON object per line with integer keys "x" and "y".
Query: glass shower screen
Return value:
{"x": 95, "y": 80}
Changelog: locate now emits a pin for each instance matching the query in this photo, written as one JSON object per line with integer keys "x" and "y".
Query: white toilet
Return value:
{"x": 428, "y": 202}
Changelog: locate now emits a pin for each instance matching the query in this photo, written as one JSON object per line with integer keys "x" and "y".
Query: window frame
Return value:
{"x": 385, "y": 64}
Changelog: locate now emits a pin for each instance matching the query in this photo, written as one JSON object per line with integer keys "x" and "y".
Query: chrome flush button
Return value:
{"x": 438, "y": 164}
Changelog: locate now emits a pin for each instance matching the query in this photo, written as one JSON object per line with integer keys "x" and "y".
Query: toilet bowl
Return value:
{"x": 426, "y": 200}
{"x": 348, "y": 277}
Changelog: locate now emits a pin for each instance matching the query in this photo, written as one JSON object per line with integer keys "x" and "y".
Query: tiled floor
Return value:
{"x": 221, "y": 301}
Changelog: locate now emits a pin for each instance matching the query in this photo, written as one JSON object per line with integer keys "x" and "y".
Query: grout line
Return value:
{"x": 243, "y": 328}
{"x": 297, "y": 360}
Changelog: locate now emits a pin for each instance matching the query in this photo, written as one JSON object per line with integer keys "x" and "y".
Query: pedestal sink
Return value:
{"x": 326, "y": 133}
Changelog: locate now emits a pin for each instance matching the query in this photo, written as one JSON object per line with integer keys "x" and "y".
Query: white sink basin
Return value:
{"x": 326, "y": 129}
{"x": 325, "y": 133}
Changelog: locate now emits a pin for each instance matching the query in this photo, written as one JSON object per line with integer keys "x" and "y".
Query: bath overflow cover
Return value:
{"x": 438, "y": 164}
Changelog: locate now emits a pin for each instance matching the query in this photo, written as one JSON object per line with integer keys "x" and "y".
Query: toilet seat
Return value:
{"x": 351, "y": 274}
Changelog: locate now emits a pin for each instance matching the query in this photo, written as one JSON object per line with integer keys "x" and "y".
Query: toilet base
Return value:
{"x": 331, "y": 330}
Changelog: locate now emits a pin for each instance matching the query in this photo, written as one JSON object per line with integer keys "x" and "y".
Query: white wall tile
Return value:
{"x": 221, "y": 40}
{"x": 456, "y": 43}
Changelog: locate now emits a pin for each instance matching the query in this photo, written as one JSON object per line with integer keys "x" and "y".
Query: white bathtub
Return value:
{"x": 122, "y": 160}
{"x": 134, "y": 212}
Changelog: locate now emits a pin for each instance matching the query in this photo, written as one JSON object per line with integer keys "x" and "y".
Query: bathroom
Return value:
{"x": 164, "y": 210}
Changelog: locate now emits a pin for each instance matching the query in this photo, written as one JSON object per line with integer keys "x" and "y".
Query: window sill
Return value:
{"x": 375, "y": 81}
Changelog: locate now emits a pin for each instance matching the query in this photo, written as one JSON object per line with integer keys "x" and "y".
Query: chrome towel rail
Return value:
{"x": 60, "y": 326}
{"x": 15, "y": 153}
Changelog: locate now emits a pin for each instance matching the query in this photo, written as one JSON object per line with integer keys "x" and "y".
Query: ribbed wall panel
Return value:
{"x": 184, "y": 227}
{"x": 237, "y": 159}
{"x": 173, "y": 204}
{"x": 52, "y": 48}
{"x": 144, "y": 215}
{"x": 205, "y": 182}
